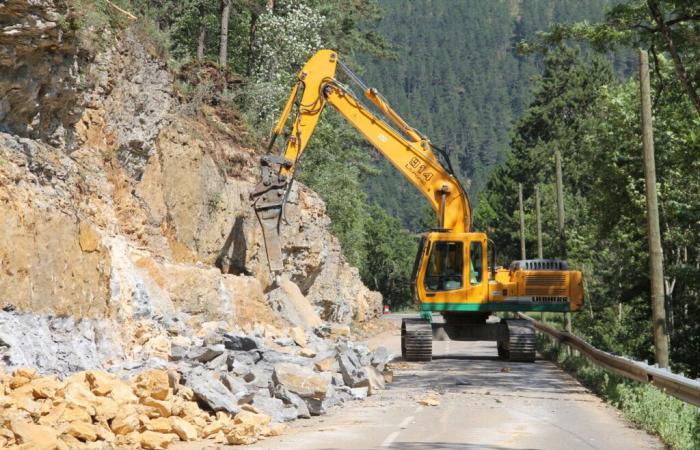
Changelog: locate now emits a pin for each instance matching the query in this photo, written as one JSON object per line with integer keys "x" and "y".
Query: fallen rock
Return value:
{"x": 247, "y": 428}
{"x": 237, "y": 341}
{"x": 275, "y": 408}
{"x": 381, "y": 357}
{"x": 300, "y": 380}
{"x": 205, "y": 354}
{"x": 155, "y": 441}
{"x": 291, "y": 305}
{"x": 152, "y": 383}
{"x": 375, "y": 379}
{"x": 360, "y": 393}
{"x": 299, "y": 336}
{"x": 33, "y": 436}
{"x": 184, "y": 430}
{"x": 82, "y": 431}
{"x": 351, "y": 369}
{"x": 126, "y": 421}
{"x": 212, "y": 392}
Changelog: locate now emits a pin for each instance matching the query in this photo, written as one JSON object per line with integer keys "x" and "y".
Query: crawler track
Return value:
{"x": 416, "y": 340}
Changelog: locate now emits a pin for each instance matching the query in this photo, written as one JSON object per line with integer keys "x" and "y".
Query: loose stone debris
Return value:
{"x": 229, "y": 387}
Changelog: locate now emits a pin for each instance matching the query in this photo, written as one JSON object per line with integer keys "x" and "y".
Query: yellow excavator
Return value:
{"x": 453, "y": 274}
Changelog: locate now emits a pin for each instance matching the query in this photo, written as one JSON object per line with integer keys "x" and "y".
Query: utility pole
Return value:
{"x": 560, "y": 215}
{"x": 656, "y": 270}
{"x": 540, "y": 253}
{"x": 522, "y": 222}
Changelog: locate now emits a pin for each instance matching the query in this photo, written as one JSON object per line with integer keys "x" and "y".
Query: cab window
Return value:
{"x": 445, "y": 266}
{"x": 476, "y": 269}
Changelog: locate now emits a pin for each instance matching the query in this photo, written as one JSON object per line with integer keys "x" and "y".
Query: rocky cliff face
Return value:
{"x": 116, "y": 206}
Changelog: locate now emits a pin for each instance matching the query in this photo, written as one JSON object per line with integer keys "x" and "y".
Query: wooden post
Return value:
{"x": 522, "y": 222}
{"x": 560, "y": 216}
{"x": 540, "y": 253}
{"x": 656, "y": 270}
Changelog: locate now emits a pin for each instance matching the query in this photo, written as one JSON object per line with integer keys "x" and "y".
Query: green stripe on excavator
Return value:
{"x": 492, "y": 307}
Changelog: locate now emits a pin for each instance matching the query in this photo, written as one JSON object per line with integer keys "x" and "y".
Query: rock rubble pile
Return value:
{"x": 232, "y": 387}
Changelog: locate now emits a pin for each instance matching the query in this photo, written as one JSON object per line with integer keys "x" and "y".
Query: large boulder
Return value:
{"x": 211, "y": 392}
{"x": 301, "y": 380}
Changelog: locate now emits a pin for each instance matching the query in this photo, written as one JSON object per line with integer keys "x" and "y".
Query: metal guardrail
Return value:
{"x": 676, "y": 385}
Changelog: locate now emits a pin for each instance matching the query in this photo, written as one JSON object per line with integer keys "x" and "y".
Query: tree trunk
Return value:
{"x": 200, "y": 42}
{"x": 223, "y": 46}
{"x": 677, "y": 63}
{"x": 656, "y": 271}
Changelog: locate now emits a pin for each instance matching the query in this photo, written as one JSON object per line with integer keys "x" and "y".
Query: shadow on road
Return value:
{"x": 459, "y": 372}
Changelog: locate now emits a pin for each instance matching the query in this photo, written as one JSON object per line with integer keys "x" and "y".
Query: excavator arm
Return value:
{"x": 408, "y": 151}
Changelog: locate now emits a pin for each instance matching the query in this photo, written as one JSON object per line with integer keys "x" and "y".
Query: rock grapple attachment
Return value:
{"x": 269, "y": 197}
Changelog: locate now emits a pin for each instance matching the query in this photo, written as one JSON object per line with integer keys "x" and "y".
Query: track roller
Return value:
{"x": 521, "y": 343}
{"x": 416, "y": 340}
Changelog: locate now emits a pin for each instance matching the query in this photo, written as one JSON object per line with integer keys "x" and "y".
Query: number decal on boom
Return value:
{"x": 419, "y": 169}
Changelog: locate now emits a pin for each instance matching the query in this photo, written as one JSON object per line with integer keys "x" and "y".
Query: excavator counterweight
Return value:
{"x": 454, "y": 274}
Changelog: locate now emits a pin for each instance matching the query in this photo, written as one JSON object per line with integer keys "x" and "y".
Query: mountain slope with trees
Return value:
{"x": 459, "y": 79}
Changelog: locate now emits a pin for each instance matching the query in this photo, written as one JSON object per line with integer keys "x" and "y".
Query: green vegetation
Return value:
{"x": 676, "y": 422}
{"x": 459, "y": 79}
{"x": 580, "y": 108}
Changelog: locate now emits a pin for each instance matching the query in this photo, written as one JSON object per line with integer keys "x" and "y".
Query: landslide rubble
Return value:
{"x": 129, "y": 249}
{"x": 228, "y": 386}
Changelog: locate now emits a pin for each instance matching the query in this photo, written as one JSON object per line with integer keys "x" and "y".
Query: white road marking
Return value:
{"x": 404, "y": 423}
{"x": 390, "y": 439}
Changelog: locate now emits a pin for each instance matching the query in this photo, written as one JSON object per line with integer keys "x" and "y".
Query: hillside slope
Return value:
{"x": 116, "y": 205}
{"x": 460, "y": 81}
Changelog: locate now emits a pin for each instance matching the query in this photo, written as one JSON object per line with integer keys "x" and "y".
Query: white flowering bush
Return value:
{"x": 283, "y": 42}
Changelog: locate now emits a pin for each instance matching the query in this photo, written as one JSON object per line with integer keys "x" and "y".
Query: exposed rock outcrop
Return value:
{"x": 116, "y": 207}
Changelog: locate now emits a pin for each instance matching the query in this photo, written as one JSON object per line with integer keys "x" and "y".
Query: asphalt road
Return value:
{"x": 484, "y": 403}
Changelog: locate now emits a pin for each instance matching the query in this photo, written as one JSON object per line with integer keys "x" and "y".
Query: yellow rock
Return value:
{"x": 104, "y": 433}
{"x": 247, "y": 428}
{"x": 251, "y": 408}
{"x": 160, "y": 424}
{"x": 18, "y": 381}
{"x": 220, "y": 437}
{"x": 185, "y": 430}
{"x": 25, "y": 372}
{"x": 153, "y": 383}
{"x": 429, "y": 401}
{"x": 153, "y": 440}
{"x": 88, "y": 238}
{"x": 276, "y": 429}
{"x": 126, "y": 421}
{"x": 80, "y": 394}
{"x": 101, "y": 383}
{"x": 212, "y": 428}
{"x": 45, "y": 387}
{"x": 36, "y": 437}
{"x": 71, "y": 413}
{"x": 185, "y": 392}
{"x": 122, "y": 393}
{"x": 82, "y": 431}
{"x": 160, "y": 407}
{"x": 325, "y": 365}
{"x": 307, "y": 353}
{"x": 106, "y": 408}
{"x": 298, "y": 335}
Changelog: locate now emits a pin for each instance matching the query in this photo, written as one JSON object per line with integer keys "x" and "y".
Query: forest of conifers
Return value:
{"x": 502, "y": 85}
